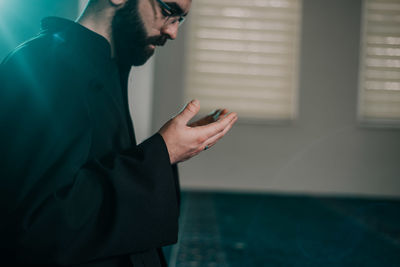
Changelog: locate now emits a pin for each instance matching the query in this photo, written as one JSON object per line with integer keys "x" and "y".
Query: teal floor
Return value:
{"x": 244, "y": 230}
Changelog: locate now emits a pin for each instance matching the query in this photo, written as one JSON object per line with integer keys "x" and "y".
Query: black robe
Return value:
{"x": 75, "y": 186}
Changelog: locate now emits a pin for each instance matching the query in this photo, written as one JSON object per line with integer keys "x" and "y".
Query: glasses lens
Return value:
{"x": 181, "y": 20}
{"x": 175, "y": 19}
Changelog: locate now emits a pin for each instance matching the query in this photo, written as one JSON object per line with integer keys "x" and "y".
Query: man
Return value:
{"x": 76, "y": 188}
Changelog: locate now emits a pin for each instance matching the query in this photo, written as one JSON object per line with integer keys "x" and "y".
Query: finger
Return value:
{"x": 218, "y": 126}
{"x": 203, "y": 121}
{"x": 213, "y": 116}
{"x": 214, "y": 139}
{"x": 189, "y": 111}
{"x": 222, "y": 114}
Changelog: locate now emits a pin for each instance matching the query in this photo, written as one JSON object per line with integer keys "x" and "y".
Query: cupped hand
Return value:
{"x": 210, "y": 118}
{"x": 185, "y": 140}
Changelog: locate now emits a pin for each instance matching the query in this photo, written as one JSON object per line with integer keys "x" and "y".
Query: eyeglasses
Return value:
{"x": 172, "y": 15}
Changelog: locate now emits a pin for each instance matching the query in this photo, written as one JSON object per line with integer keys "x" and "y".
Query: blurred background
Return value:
{"x": 327, "y": 146}
{"x": 316, "y": 84}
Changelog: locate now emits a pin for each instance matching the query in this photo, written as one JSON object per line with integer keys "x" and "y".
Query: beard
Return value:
{"x": 130, "y": 38}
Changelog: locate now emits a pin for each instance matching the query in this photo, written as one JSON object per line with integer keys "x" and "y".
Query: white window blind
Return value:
{"x": 243, "y": 55}
{"x": 379, "y": 87}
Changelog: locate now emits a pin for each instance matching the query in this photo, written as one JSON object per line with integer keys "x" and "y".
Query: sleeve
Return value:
{"x": 61, "y": 208}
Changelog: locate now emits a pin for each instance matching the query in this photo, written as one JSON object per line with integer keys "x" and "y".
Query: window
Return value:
{"x": 379, "y": 86}
{"x": 243, "y": 55}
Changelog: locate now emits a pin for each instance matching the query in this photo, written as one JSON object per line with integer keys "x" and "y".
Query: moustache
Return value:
{"x": 157, "y": 40}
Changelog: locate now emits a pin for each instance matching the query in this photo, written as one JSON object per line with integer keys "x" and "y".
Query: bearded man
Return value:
{"x": 76, "y": 189}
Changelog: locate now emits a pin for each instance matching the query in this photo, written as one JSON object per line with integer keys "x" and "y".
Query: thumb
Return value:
{"x": 189, "y": 111}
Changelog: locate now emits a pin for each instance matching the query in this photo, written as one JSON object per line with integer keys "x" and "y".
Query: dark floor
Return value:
{"x": 239, "y": 230}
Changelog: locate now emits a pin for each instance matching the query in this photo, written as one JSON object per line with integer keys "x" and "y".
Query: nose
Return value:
{"x": 171, "y": 30}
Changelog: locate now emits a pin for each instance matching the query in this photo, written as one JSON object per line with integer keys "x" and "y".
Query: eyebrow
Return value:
{"x": 176, "y": 8}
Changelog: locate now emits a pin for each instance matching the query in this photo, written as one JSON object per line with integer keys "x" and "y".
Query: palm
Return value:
{"x": 209, "y": 118}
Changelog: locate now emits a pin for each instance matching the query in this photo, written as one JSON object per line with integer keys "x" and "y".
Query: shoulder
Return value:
{"x": 47, "y": 51}
{"x": 46, "y": 64}
{"x": 43, "y": 77}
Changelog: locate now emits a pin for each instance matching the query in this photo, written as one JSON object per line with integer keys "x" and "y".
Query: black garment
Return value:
{"x": 75, "y": 187}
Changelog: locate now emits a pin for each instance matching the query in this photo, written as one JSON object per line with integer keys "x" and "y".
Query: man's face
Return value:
{"x": 140, "y": 25}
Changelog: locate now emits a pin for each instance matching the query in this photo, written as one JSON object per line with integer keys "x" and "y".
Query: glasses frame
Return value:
{"x": 170, "y": 14}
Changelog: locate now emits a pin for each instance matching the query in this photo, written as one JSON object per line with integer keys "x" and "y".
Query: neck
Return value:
{"x": 99, "y": 21}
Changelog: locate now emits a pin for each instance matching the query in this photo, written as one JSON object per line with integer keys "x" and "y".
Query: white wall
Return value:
{"x": 325, "y": 151}
{"x": 140, "y": 92}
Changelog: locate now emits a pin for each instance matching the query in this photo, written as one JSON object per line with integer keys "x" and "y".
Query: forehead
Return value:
{"x": 184, "y": 5}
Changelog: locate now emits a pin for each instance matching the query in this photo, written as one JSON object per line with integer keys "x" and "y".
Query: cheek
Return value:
{"x": 152, "y": 25}
{"x": 149, "y": 18}
{"x": 152, "y": 20}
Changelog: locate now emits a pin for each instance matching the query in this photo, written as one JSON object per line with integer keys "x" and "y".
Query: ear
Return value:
{"x": 117, "y": 2}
